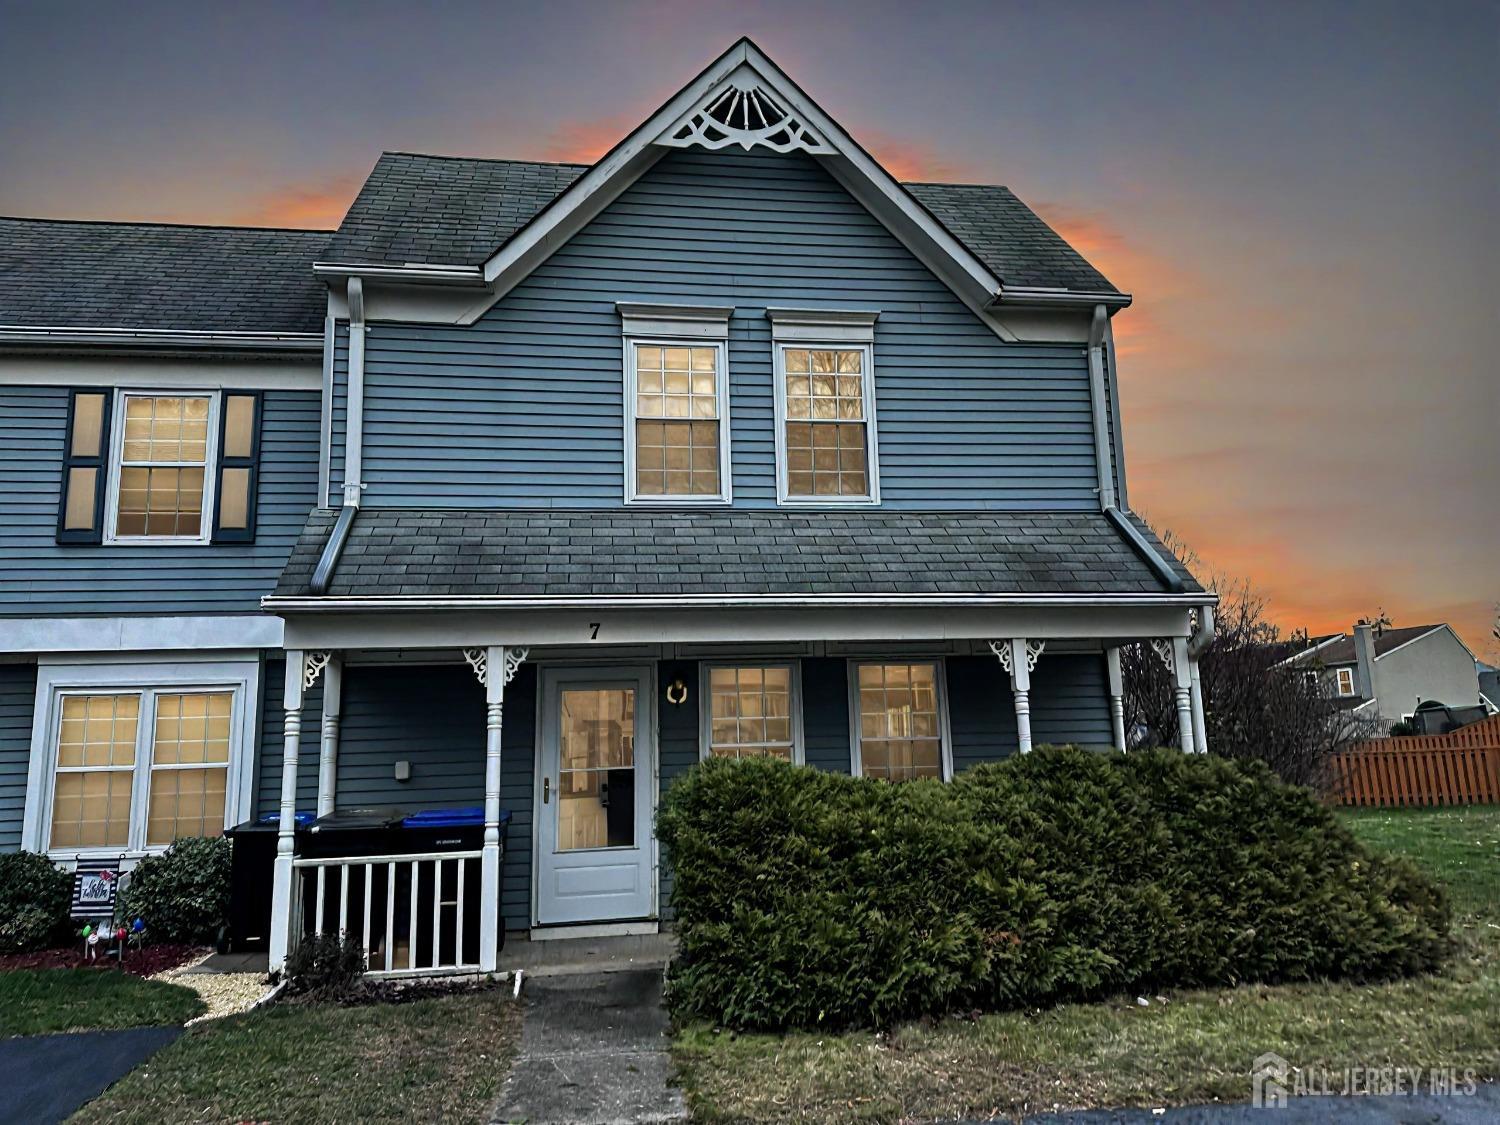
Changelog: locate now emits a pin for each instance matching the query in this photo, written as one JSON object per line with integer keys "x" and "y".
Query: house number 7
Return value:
{"x": 593, "y": 630}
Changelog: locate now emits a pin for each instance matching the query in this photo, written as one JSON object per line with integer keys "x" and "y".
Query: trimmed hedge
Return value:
{"x": 183, "y": 894}
{"x": 811, "y": 899}
{"x": 35, "y": 895}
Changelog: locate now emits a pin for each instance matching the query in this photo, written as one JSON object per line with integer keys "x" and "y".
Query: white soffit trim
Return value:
{"x": 855, "y": 169}
{"x": 148, "y": 338}
{"x": 706, "y": 322}
{"x": 93, "y": 368}
{"x": 822, "y": 326}
{"x": 138, "y": 634}
{"x": 347, "y": 603}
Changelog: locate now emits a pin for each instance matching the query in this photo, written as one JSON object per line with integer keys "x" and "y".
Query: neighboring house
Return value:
{"x": 533, "y": 484}
{"x": 1489, "y": 688}
{"x": 1422, "y": 674}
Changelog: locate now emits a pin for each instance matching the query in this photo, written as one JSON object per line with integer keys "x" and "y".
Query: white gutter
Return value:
{"x": 411, "y": 272}
{"x": 1098, "y": 393}
{"x": 157, "y": 338}
{"x": 347, "y": 603}
{"x": 354, "y": 406}
{"x": 1060, "y": 298}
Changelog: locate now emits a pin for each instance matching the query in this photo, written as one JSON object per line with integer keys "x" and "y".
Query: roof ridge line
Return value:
{"x": 483, "y": 159}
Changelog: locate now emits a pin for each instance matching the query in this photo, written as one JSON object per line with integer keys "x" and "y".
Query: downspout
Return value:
{"x": 354, "y": 418}
{"x": 1098, "y": 395}
{"x": 1112, "y": 389}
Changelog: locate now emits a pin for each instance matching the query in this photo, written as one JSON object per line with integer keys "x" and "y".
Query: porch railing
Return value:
{"x": 414, "y": 915}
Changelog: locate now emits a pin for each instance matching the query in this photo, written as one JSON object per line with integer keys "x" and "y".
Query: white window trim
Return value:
{"x": 843, "y": 330}
{"x": 721, "y": 393}
{"x": 54, "y": 682}
{"x": 1338, "y": 679}
{"x": 945, "y": 729}
{"x": 794, "y": 702}
{"x": 115, "y": 470}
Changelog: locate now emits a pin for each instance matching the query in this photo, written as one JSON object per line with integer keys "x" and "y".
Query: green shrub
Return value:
{"x": 325, "y": 967}
{"x": 35, "y": 895}
{"x": 809, "y": 899}
{"x": 183, "y": 894}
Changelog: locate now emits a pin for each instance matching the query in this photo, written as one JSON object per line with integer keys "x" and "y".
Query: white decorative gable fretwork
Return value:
{"x": 743, "y": 112}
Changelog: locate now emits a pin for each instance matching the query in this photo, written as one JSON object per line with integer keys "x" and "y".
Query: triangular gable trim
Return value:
{"x": 742, "y": 68}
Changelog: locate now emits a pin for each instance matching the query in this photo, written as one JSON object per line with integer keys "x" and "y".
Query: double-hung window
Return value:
{"x": 676, "y": 395}
{"x": 751, "y": 710}
{"x": 899, "y": 725}
{"x": 132, "y": 759}
{"x": 169, "y": 466}
{"x": 1345, "y": 680}
{"x": 825, "y": 407}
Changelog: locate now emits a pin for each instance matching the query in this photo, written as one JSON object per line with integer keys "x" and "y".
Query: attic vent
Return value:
{"x": 744, "y": 115}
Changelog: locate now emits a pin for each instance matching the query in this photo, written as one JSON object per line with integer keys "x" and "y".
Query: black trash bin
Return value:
{"x": 252, "y": 871}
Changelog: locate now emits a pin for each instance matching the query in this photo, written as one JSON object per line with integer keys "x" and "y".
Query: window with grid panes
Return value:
{"x": 678, "y": 446}
{"x": 826, "y": 422}
{"x": 750, "y": 711}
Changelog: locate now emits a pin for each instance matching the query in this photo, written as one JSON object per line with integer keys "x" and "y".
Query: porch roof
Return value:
{"x": 415, "y": 553}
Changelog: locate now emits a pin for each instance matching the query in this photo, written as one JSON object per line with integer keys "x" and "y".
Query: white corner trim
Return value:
{"x": 242, "y": 677}
{"x": 826, "y": 326}
{"x": 44, "y": 635}
{"x": 687, "y": 321}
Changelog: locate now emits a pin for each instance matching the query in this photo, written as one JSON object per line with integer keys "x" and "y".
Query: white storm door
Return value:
{"x": 595, "y": 860}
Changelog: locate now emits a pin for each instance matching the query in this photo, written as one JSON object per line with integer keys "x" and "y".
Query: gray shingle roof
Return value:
{"x": 1009, "y": 237}
{"x": 448, "y": 210}
{"x": 1341, "y": 651}
{"x": 56, "y": 273}
{"x": 443, "y": 210}
{"x": 410, "y": 552}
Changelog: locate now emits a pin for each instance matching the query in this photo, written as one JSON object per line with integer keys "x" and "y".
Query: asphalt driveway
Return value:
{"x": 49, "y": 1077}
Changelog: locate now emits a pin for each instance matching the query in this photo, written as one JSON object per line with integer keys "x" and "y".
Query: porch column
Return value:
{"x": 1173, "y": 652}
{"x": 495, "y": 667}
{"x": 1018, "y": 657}
{"x": 281, "y": 884}
{"x": 1200, "y": 722}
{"x": 1116, "y": 696}
{"x": 328, "y": 751}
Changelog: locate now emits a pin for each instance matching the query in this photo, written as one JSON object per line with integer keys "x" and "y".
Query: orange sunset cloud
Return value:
{"x": 316, "y": 206}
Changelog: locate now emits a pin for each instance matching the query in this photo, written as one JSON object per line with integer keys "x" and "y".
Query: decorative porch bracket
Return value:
{"x": 494, "y": 667}
{"x": 1173, "y": 652}
{"x": 1018, "y": 657}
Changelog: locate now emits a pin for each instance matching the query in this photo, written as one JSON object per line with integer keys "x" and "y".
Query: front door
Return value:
{"x": 595, "y": 861}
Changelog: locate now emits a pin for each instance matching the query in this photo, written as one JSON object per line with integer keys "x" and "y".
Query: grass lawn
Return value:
{"x": 441, "y": 1058}
{"x": 42, "y": 1001}
{"x": 1195, "y": 1047}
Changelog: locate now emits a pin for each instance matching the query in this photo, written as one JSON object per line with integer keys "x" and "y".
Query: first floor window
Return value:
{"x": 750, "y": 711}
{"x": 1345, "y": 678}
{"x": 900, "y": 729}
{"x": 164, "y": 458}
{"x": 138, "y": 768}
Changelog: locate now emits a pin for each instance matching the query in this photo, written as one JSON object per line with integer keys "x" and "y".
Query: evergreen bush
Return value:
{"x": 35, "y": 895}
{"x": 183, "y": 894}
{"x": 809, "y": 899}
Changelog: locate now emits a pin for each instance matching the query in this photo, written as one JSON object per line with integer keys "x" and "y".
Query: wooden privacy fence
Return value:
{"x": 1458, "y": 768}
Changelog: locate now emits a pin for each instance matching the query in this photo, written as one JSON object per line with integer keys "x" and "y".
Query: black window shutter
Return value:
{"x": 239, "y": 467}
{"x": 85, "y": 469}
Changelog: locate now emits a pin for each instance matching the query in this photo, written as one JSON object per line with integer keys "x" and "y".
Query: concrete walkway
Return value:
{"x": 48, "y": 1077}
{"x": 593, "y": 1052}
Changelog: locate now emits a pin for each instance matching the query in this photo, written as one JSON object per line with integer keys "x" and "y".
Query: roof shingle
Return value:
{"x": 63, "y": 273}
{"x": 593, "y": 552}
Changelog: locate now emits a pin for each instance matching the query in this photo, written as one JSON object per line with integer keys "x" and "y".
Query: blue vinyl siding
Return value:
{"x": 44, "y": 578}
{"x": 677, "y": 748}
{"x": 1069, "y": 704}
{"x": 524, "y": 408}
{"x": 17, "y": 698}
{"x": 825, "y": 713}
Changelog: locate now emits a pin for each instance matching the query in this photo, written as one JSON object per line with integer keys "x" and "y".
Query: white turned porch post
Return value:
{"x": 1116, "y": 696}
{"x": 495, "y": 667}
{"x": 1200, "y": 721}
{"x": 1018, "y": 657}
{"x": 282, "y": 911}
{"x": 1182, "y": 689}
{"x": 328, "y": 750}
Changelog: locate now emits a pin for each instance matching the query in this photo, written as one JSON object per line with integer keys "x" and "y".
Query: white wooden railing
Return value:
{"x": 409, "y": 910}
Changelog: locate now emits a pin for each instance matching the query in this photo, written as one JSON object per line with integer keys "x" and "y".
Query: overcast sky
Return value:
{"x": 1301, "y": 196}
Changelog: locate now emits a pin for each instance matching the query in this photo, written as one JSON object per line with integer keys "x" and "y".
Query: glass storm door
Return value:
{"x": 595, "y": 859}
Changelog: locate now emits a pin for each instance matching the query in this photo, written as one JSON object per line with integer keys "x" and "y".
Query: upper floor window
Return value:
{"x": 1345, "y": 678}
{"x": 160, "y": 467}
{"x": 825, "y": 407}
{"x": 676, "y": 392}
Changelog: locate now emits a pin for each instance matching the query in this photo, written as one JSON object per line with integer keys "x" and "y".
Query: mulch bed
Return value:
{"x": 145, "y": 962}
